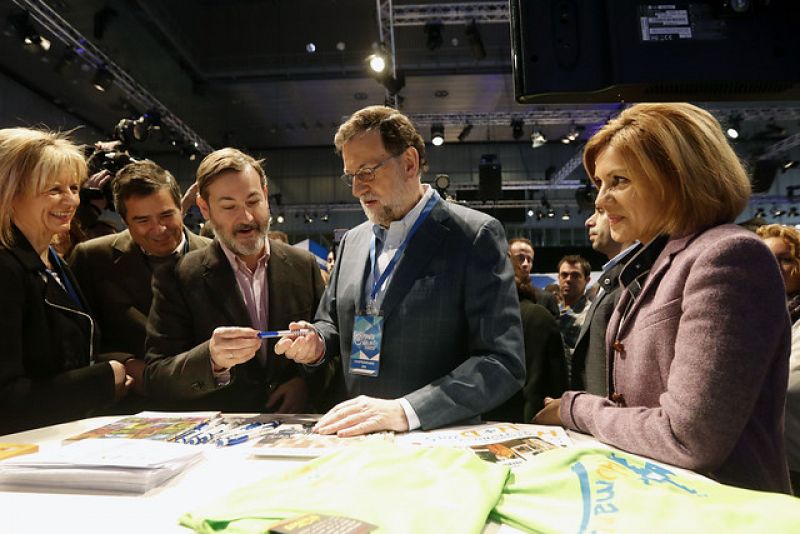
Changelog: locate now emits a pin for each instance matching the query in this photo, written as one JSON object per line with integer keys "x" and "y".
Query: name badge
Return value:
{"x": 365, "y": 354}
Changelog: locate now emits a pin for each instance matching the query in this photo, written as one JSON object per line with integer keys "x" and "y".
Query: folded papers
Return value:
{"x": 118, "y": 465}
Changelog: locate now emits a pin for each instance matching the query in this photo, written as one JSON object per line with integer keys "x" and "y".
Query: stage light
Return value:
{"x": 734, "y": 126}
{"x": 433, "y": 35}
{"x": 280, "y": 218}
{"x": 777, "y": 212}
{"x": 437, "y": 135}
{"x": 475, "y": 41}
{"x": 573, "y": 135}
{"x": 465, "y": 132}
{"x": 789, "y": 164}
{"x": 325, "y": 218}
{"x": 102, "y": 79}
{"x": 377, "y": 63}
{"x": 530, "y": 212}
{"x": 793, "y": 212}
{"x": 537, "y": 139}
{"x": 517, "y": 129}
{"x": 565, "y": 216}
{"x": 551, "y": 213}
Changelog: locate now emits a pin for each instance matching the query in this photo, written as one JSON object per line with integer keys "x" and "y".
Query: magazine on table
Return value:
{"x": 157, "y": 426}
{"x": 118, "y": 465}
{"x": 297, "y": 440}
{"x": 504, "y": 443}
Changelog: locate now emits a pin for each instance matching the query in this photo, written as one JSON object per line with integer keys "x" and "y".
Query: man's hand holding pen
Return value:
{"x": 232, "y": 345}
{"x": 306, "y": 349}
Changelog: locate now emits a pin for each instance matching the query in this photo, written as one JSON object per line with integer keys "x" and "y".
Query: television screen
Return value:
{"x": 570, "y": 51}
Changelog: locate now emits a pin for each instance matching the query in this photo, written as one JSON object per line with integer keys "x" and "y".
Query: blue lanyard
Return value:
{"x": 396, "y": 258}
{"x": 65, "y": 281}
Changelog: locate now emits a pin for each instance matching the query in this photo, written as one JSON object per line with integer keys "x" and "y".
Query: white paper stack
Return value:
{"x": 115, "y": 465}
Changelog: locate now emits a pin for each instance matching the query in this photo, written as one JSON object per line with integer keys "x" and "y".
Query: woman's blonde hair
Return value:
{"x": 683, "y": 158}
{"x": 790, "y": 236}
{"x": 30, "y": 160}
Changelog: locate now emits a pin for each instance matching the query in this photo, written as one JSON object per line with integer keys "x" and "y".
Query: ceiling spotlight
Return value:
{"x": 760, "y": 212}
{"x": 433, "y": 34}
{"x": 437, "y": 135}
{"x": 539, "y": 215}
{"x": 735, "y": 124}
{"x": 792, "y": 212}
{"x": 465, "y": 132}
{"x": 102, "y": 79}
{"x": 311, "y": 48}
{"x": 551, "y": 213}
{"x": 573, "y": 134}
{"x": 565, "y": 216}
{"x": 537, "y": 139}
{"x": 777, "y": 212}
{"x": 377, "y": 63}
{"x": 517, "y": 128}
{"x": 308, "y": 219}
{"x": 325, "y": 218}
{"x": 21, "y": 22}
{"x": 789, "y": 164}
{"x": 474, "y": 39}
{"x": 281, "y": 218}
{"x": 530, "y": 212}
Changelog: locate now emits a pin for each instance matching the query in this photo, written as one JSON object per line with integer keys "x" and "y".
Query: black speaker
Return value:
{"x": 763, "y": 175}
{"x": 490, "y": 178}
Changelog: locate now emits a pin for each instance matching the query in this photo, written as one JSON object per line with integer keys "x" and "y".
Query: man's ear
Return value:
{"x": 203, "y": 205}
{"x": 411, "y": 162}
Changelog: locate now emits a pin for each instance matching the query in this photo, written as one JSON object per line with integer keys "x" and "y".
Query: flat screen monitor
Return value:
{"x": 572, "y": 51}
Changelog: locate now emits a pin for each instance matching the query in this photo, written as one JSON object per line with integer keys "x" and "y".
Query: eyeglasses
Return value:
{"x": 366, "y": 174}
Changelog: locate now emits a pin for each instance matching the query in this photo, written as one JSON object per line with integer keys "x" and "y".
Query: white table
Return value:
{"x": 156, "y": 511}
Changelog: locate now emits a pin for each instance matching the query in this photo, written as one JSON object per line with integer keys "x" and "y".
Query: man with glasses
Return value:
{"x": 421, "y": 309}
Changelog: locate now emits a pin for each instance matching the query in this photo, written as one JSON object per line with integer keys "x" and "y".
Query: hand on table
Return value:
{"x": 549, "y": 415}
{"x": 363, "y": 415}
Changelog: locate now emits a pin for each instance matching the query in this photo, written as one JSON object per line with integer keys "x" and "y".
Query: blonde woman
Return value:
{"x": 46, "y": 367}
{"x": 698, "y": 345}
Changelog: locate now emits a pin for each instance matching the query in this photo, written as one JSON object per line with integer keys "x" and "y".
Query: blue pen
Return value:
{"x": 281, "y": 333}
{"x": 236, "y": 438}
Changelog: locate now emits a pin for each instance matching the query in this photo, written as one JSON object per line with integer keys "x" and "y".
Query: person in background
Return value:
{"x": 421, "y": 308}
{"x": 49, "y": 370}
{"x": 784, "y": 242}
{"x": 522, "y": 250}
{"x": 589, "y": 370}
{"x": 699, "y": 340}
{"x": 574, "y": 273}
{"x": 546, "y": 368}
{"x": 203, "y": 349}
{"x": 116, "y": 271}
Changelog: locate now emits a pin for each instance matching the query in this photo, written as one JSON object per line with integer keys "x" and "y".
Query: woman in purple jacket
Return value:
{"x": 698, "y": 344}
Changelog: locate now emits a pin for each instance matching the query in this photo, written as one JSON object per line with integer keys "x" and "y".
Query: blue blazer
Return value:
{"x": 452, "y": 339}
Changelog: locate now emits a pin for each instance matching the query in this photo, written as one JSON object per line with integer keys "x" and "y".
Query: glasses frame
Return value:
{"x": 362, "y": 173}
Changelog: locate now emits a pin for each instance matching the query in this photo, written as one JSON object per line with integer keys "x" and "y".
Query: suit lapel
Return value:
{"x": 222, "y": 287}
{"x": 423, "y": 245}
{"x": 131, "y": 266}
{"x": 355, "y": 266}
{"x": 279, "y": 272}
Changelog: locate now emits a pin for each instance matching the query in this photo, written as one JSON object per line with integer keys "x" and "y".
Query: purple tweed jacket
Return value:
{"x": 701, "y": 363}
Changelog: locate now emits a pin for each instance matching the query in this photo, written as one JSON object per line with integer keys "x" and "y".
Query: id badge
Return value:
{"x": 365, "y": 354}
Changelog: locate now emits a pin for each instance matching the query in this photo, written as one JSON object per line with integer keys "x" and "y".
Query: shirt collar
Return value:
{"x": 175, "y": 252}
{"x": 238, "y": 265}
{"x": 397, "y": 231}
{"x": 616, "y": 259}
{"x": 637, "y": 268}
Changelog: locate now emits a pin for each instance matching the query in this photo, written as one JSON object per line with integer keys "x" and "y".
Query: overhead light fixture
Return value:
{"x": 551, "y": 213}
{"x": 437, "y": 135}
{"x": 565, "y": 216}
{"x": 789, "y": 164}
{"x": 102, "y": 79}
{"x": 572, "y": 135}
{"x": 465, "y": 132}
{"x": 474, "y": 40}
{"x": 308, "y": 218}
{"x": 517, "y": 127}
{"x": 280, "y": 218}
{"x": 433, "y": 34}
{"x": 377, "y": 63}
{"x": 537, "y": 139}
{"x": 325, "y": 217}
{"x": 539, "y": 215}
{"x": 760, "y": 212}
{"x": 530, "y": 212}
{"x": 777, "y": 212}
{"x": 793, "y": 212}
{"x": 22, "y": 25}
{"x": 734, "y": 127}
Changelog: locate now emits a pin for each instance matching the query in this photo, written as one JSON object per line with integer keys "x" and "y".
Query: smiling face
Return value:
{"x": 40, "y": 216}
{"x": 632, "y": 210}
{"x": 154, "y": 222}
{"x": 237, "y": 208}
{"x": 395, "y": 187}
